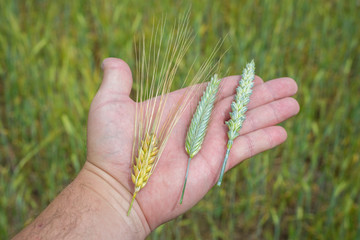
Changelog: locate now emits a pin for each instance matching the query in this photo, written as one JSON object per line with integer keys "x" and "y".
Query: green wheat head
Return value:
{"x": 242, "y": 98}
{"x": 239, "y": 108}
{"x": 199, "y": 123}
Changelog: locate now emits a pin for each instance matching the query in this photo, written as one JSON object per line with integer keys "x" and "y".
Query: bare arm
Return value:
{"x": 93, "y": 206}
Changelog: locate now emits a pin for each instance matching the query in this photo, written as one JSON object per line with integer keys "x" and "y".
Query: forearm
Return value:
{"x": 91, "y": 207}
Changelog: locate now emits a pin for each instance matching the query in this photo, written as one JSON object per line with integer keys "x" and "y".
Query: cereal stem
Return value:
{"x": 186, "y": 176}
{"x": 229, "y": 145}
{"x": 131, "y": 203}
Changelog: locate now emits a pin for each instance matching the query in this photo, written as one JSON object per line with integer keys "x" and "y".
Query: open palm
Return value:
{"x": 111, "y": 133}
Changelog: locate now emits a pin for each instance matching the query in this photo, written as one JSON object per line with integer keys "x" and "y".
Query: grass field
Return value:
{"x": 308, "y": 188}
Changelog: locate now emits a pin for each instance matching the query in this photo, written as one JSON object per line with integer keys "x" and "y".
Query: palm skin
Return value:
{"x": 111, "y": 132}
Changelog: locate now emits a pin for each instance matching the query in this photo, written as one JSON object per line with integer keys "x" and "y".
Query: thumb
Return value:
{"x": 117, "y": 76}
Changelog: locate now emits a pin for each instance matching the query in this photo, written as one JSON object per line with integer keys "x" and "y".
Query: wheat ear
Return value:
{"x": 199, "y": 123}
{"x": 238, "y": 107}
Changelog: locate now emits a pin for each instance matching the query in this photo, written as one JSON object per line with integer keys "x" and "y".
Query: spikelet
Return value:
{"x": 199, "y": 123}
{"x": 239, "y": 108}
{"x": 157, "y": 64}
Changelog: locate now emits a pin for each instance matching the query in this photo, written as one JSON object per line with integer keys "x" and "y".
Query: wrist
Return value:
{"x": 116, "y": 197}
{"x": 93, "y": 206}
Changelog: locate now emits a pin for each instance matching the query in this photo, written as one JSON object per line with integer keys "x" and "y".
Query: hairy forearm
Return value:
{"x": 89, "y": 208}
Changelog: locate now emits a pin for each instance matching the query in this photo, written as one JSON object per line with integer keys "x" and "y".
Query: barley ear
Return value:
{"x": 144, "y": 163}
{"x": 238, "y": 107}
{"x": 199, "y": 123}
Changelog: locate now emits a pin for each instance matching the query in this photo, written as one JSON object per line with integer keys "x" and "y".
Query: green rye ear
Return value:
{"x": 199, "y": 123}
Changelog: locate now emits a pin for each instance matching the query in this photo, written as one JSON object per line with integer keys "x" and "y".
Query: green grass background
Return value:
{"x": 308, "y": 188}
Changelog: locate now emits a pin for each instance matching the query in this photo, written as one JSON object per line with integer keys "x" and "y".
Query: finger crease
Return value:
{"x": 276, "y": 115}
{"x": 269, "y": 139}
{"x": 250, "y": 121}
{"x": 273, "y": 98}
{"x": 250, "y": 144}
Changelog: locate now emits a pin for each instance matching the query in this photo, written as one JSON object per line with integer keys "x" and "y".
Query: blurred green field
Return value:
{"x": 308, "y": 188}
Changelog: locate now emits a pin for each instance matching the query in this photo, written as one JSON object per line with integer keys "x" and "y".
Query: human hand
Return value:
{"x": 111, "y": 133}
{"x": 95, "y": 204}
